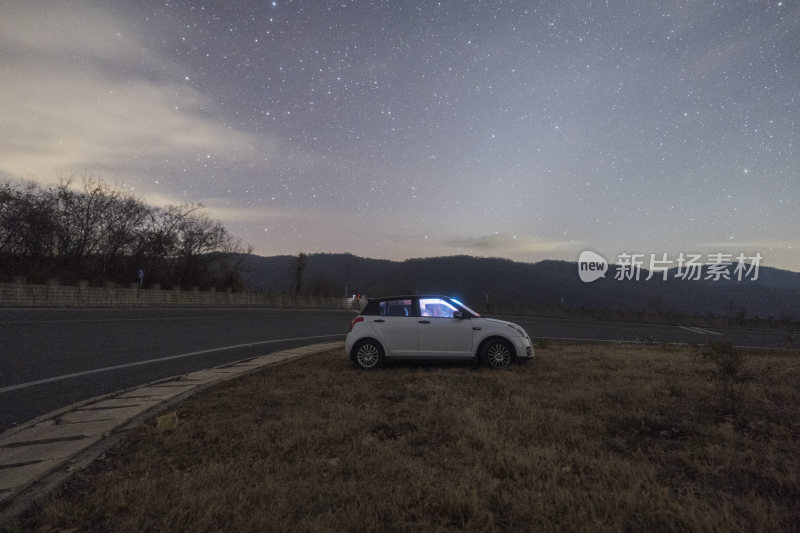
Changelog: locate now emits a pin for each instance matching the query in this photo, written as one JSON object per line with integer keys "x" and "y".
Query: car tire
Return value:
{"x": 368, "y": 354}
{"x": 497, "y": 353}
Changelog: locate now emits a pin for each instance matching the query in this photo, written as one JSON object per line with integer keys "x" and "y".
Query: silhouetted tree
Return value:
{"x": 299, "y": 266}
{"x": 98, "y": 232}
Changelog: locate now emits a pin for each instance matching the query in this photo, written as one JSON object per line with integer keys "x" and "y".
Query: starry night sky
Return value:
{"x": 526, "y": 130}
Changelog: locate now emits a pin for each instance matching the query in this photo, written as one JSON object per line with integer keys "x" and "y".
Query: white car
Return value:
{"x": 432, "y": 327}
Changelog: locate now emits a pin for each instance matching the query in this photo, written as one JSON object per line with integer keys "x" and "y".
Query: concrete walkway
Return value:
{"x": 37, "y": 456}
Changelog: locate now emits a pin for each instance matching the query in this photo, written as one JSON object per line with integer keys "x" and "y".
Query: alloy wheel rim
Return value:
{"x": 367, "y": 355}
{"x": 498, "y": 355}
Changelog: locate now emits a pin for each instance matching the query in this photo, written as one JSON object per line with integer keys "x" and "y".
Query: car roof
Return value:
{"x": 409, "y": 297}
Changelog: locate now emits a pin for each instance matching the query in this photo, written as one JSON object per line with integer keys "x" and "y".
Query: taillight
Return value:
{"x": 355, "y": 321}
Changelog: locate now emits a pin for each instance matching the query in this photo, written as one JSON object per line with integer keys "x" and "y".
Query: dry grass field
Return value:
{"x": 584, "y": 438}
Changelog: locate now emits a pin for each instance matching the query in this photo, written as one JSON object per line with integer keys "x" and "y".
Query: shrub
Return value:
{"x": 730, "y": 374}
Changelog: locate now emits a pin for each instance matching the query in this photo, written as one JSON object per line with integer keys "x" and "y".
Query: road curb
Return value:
{"x": 39, "y": 455}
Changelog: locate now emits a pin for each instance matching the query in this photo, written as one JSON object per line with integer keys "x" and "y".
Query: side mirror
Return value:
{"x": 458, "y": 314}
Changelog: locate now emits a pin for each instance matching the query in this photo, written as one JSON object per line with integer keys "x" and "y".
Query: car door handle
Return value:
{"x": 476, "y": 328}
{"x": 379, "y": 320}
{"x": 424, "y": 321}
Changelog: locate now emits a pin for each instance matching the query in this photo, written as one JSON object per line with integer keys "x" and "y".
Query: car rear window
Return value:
{"x": 395, "y": 308}
{"x": 371, "y": 308}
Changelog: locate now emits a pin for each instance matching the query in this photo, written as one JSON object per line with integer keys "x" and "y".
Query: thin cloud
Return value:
{"x": 502, "y": 243}
{"x": 233, "y": 214}
{"x": 747, "y": 246}
{"x": 80, "y": 31}
{"x": 68, "y": 106}
{"x": 221, "y": 209}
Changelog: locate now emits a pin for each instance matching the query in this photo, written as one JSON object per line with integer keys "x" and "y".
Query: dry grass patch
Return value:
{"x": 583, "y": 438}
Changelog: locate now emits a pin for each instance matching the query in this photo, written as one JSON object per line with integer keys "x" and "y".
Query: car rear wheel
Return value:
{"x": 368, "y": 354}
{"x": 496, "y": 353}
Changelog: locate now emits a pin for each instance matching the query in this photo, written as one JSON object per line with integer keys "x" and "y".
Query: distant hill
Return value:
{"x": 547, "y": 285}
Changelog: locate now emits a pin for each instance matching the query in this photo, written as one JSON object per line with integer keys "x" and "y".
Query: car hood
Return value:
{"x": 497, "y": 321}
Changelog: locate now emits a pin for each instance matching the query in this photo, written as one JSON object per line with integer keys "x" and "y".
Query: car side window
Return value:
{"x": 396, "y": 308}
{"x": 436, "y": 307}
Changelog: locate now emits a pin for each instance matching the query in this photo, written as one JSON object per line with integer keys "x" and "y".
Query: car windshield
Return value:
{"x": 466, "y": 308}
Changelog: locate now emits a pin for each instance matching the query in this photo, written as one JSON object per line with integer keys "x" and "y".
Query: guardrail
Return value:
{"x": 55, "y": 295}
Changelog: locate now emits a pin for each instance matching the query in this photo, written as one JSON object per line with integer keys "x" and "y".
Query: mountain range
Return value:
{"x": 501, "y": 284}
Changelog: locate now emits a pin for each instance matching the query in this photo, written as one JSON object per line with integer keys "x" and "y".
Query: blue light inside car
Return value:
{"x": 465, "y": 307}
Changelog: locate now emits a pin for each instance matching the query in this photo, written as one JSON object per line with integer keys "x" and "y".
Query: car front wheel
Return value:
{"x": 496, "y": 353}
{"x": 368, "y": 354}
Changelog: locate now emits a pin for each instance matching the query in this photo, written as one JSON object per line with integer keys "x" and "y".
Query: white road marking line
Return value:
{"x": 613, "y": 341}
{"x": 737, "y": 346}
{"x": 158, "y": 360}
{"x": 701, "y": 331}
{"x": 708, "y": 331}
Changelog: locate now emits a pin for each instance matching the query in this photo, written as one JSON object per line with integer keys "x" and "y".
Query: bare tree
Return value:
{"x": 99, "y": 232}
{"x": 26, "y": 228}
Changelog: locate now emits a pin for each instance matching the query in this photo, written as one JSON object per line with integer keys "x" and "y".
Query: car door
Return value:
{"x": 440, "y": 333}
{"x": 396, "y": 328}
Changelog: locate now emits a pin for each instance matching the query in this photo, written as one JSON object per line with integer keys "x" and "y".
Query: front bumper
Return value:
{"x": 524, "y": 348}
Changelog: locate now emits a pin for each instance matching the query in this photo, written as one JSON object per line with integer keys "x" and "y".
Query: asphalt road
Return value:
{"x": 572, "y": 329}
{"x": 52, "y": 358}
{"x": 76, "y": 354}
